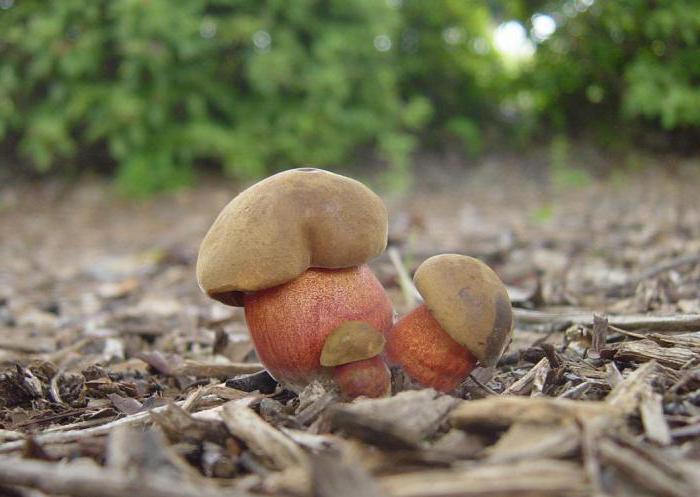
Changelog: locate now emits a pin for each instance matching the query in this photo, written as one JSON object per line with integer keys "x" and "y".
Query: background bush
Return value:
{"x": 161, "y": 84}
{"x": 157, "y": 88}
{"x": 615, "y": 68}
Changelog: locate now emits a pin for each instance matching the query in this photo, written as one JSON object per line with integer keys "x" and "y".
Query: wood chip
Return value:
{"x": 626, "y": 396}
{"x": 221, "y": 371}
{"x": 92, "y": 481}
{"x": 501, "y": 412}
{"x": 672, "y": 323}
{"x": 266, "y": 442}
{"x": 335, "y": 477}
{"x": 528, "y": 441}
{"x": 75, "y": 435}
{"x": 402, "y": 421}
{"x": 141, "y": 453}
{"x": 538, "y": 478}
{"x": 653, "y": 420}
{"x": 646, "y": 350}
{"x": 599, "y": 334}
{"x": 524, "y": 385}
{"x": 649, "y": 474}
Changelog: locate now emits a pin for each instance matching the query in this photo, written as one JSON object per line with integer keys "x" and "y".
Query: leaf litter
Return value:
{"x": 117, "y": 377}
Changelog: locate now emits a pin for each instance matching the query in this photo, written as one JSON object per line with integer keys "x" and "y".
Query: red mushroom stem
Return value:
{"x": 289, "y": 323}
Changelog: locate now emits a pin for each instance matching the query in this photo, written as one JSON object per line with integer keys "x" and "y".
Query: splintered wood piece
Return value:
{"x": 652, "y": 413}
{"x": 640, "y": 322}
{"x": 335, "y": 477}
{"x": 75, "y": 435}
{"x": 145, "y": 452}
{"x": 536, "y": 441}
{"x": 402, "y": 421}
{"x": 266, "y": 442}
{"x": 592, "y": 431}
{"x": 9, "y": 435}
{"x": 524, "y": 385}
{"x": 613, "y": 374}
{"x": 501, "y": 412}
{"x": 179, "y": 425}
{"x": 688, "y": 340}
{"x": 646, "y": 469}
{"x": 457, "y": 444}
{"x": 541, "y": 478}
{"x": 646, "y": 350}
{"x": 627, "y": 394}
{"x": 81, "y": 480}
{"x": 221, "y": 371}
{"x": 599, "y": 334}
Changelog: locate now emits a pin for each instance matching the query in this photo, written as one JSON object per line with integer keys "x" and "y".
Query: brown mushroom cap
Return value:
{"x": 351, "y": 341}
{"x": 469, "y": 301}
{"x": 278, "y": 228}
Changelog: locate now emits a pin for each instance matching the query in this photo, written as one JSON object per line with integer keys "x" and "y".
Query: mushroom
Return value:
{"x": 353, "y": 350}
{"x": 466, "y": 318}
{"x": 292, "y": 249}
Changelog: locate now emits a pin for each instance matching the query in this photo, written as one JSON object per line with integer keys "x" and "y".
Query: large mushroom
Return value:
{"x": 292, "y": 249}
{"x": 466, "y": 319}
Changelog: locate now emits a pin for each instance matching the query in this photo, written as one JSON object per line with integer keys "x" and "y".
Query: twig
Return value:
{"x": 576, "y": 391}
{"x": 542, "y": 477}
{"x": 76, "y": 435}
{"x": 626, "y": 395}
{"x": 524, "y": 384}
{"x": 221, "y": 371}
{"x": 651, "y": 410}
{"x": 266, "y": 442}
{"x": 646, "y": 473}
{"x": 592, "y": 433}
{"x": 55, "y": 390}
{"x": 92, "y": 481}
{"x": 408, "y": 289}
{"x": 599, "y": 334}
{"x": 483, "y": 386}
{"x": 672, "y": 323}
{"x": 686, "y": 431}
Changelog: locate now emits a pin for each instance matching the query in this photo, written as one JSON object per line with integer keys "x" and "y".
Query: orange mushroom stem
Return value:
{"x": 289, "y": 324}
{"x": 466, "y": 320}
{"x": 427, "y": 353}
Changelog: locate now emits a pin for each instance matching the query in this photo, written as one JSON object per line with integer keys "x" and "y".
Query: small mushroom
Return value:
{"x": 351, "y": 341}
{"x": 352, "y": 350}
{"x": 368, "y": 378}
{"x": 466, "y": 318}
{"x": 292, "y": 249}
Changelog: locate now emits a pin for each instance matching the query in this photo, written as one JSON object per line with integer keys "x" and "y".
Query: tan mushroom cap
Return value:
{"x": 278, "y": 228}
{"x": 469, "y": 301}
{"x": 350, "y": 342}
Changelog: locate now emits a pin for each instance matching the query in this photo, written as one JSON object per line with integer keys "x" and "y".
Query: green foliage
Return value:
{"x": 446, "y": 55}
{"x": 162, "y": 85}
{"x": 629, "y": 61}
